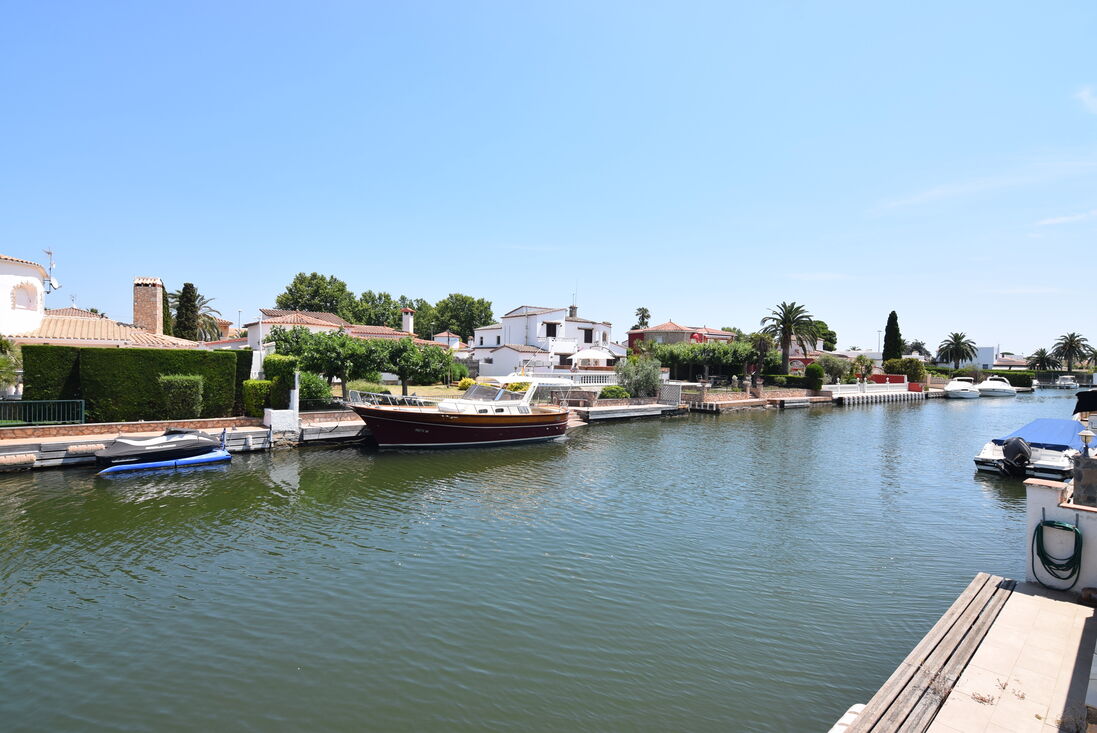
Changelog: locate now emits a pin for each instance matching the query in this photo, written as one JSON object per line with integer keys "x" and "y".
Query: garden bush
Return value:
{"x": 785, "y": 380}
{"x": 913, "y": 369}
{"x": 614, "y": 392}
{"x": 182, "y": 396}
{"x": 518, "y": 386}
{"x": 639, "y": 376}
{"x": 458, "y": 371}
{"x": 313, "y": 387}
{"x": 256, "y": 396}
{"x": 813, "y": 377}
{"x": 51, "y": 372}
{"x": 466, "y": 383}
{"x": 279, "y": 370}
{"x": 121, "y": 384}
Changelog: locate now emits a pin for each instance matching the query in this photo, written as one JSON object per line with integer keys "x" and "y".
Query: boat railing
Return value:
{"x": 383, "y": 398}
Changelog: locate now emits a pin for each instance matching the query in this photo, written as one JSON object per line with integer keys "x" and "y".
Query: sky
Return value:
{"x": 705, "y": 160}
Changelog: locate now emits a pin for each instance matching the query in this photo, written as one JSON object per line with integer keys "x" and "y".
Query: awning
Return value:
{"x": 1049, "y": 433}
{"x": 599, "y": 354}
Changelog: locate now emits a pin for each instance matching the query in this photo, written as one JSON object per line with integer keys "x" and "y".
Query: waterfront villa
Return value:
{"x": 24, "y": 319}
{"x": 532, "y": 337}
{"x": 672, "y": 333}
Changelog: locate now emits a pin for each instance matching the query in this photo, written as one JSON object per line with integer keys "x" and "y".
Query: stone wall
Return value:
{"x": 148, "y": 305}
{"x": 103, "y": 428}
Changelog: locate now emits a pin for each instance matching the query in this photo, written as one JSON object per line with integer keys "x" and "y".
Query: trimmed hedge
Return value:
{"x": 614, "y": 392}
{"x": 813, "y": 377}
{"x": 243, "y": 373}
{"x": 182, "y": 394}
{"x": 785, "y": 380}
{"x": 51, "y": 372}
{"x": 256, "y": 396}
{"x": 120, "y": 385}
{"x": 279, "y": 370}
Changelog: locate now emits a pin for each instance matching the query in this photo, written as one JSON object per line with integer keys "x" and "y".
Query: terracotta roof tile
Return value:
{"x": 523, "y": 348}
{"x": 329, "y": 317}
{"x": 6, "y": 258}
{"x": 55, "y": 329}
{"x": 295, "y": 319}
{"x": 74, "y": 312}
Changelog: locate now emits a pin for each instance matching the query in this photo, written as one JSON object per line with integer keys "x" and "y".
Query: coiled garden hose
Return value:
{"x": 1060, "y": 568}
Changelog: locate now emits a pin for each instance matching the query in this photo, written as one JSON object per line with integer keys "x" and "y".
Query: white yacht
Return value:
{"x": 1066, "y": 381}
{"x": 996, "y": 386}
{"x": 961, "y": 388}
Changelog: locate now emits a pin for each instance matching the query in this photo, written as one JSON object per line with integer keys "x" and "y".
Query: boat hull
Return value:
{"x": 997, "y": 393}
{"x": 961, "y": 394}
{"x": 393, "y": 427}
{"x": 210, "y": 456}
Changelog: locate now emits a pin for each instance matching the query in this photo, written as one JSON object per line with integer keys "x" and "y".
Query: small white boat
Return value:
{"x": 996, "y": 386}
{"x": 1045, "y": 448}
{"x": 1066, "y": 382}
{"x": 960, "y": 388}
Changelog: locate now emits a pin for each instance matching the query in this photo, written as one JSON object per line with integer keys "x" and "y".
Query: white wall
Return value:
{"x": 22, "y": 297}
{"x": 508, "y": 361}
{"x": 1043, "y": 503}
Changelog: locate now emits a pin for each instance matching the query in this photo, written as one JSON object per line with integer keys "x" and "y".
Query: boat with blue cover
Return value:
{"x": 1045, "y": 448}
{"x": 175, "y": 448}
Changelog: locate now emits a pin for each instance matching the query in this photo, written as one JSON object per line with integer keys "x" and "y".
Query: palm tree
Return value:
{"x": 957, "y": 348}
{"x": 208, "y": 330}
{"x": 643, "y": 316}
{"x": 790, "y": 322}
{"x": 1043, "y": 360}
{"x": 1072, "y": 347}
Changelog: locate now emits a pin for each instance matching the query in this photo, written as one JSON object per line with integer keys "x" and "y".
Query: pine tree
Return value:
{"x": 186, "y": 317}
{"x": 893, "y": 340}
{"x": 167, "y": 315}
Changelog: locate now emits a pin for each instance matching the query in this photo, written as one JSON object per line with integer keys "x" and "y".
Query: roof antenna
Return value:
{"x": 51, "y": 282}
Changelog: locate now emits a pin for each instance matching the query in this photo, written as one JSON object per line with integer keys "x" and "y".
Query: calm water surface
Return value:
{"x": 760, "y": 571}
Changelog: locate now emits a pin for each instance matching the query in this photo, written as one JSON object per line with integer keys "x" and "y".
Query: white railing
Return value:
{"x": 600, "y": 378}
{"x": 866, "y": 388}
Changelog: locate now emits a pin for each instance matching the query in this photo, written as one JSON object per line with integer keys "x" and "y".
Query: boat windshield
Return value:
{"x": 486, "y": 393}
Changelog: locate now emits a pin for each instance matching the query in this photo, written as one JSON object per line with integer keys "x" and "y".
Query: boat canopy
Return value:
{"x": 1048, "y": 433}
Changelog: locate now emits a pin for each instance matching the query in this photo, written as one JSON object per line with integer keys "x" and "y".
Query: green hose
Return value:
{"x": 1060, "y": 568}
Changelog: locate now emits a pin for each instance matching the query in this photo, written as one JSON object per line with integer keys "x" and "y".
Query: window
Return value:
{"x": 588, "y": 335}
{"x": 498, "y": 339}
{"x": 481, "y": 340}
{"x": 23, "y": 297}
{"x": 550, "y": 330}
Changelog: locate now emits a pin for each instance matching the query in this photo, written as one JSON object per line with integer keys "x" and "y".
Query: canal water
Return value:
{"x": 758, "y": 571}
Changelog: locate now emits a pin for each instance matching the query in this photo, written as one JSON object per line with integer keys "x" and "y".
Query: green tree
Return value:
{"x": 790, "y": 322}
{"x": 166, "y": 307}
{"x": 333, "y": 354}
{"x": 893, "y": 340}
{"x": 829, "y": 337}
{"x": 1044, "y": 361}
{"x": 462, "y": 314}
{"x": 640, "y": 376}
{"x": 914, "y": 369}
{"x": 207, "y": 328}
{"x": 412, "y": 362}
{"x": 918, "y": 346}
{"x": 643, "y": 317}
{"x": 834, "y": 367}
{"x": 863, "y": 365}
{"x": 315, "y": 292}
{"x": 1072, "y": 347}
{"x": 378, "y": 309}
{"x": 957, "y": 348}
{"x": 761, "y": 345}
{"x": 186, "y": 313}
{"x": 289, "y": 342}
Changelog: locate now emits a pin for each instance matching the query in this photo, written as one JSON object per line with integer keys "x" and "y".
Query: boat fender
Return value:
{"x": 1016, "y": 455}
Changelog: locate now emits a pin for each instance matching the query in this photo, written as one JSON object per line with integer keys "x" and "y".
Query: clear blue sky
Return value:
{"x": 705, "y": 160}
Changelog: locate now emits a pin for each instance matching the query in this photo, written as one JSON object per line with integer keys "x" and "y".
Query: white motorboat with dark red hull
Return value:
{"x": 485, "y": 415}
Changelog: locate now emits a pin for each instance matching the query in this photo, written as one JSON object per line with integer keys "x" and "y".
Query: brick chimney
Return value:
{"x": 148, "y": 304}
{"x": 408, "y": 318}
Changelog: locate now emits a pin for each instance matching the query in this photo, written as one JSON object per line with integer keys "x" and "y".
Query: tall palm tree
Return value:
{"x": 790, "y": 322}
{"x": 643, "y": 316}
{"x": 208, "y": 330}
{"x": 1043, "y": 360}
{"x": 957, "y": 348}
{"x": 1072, "y": 347}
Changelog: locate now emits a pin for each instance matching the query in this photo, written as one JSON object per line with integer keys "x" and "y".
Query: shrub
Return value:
{"x": 243, "y": 373}
{"x": 313, "y": 387}
{"x": 465, "y": 383}
{"x": 914, "y": 369}
{"x": 279, "y": 369}
{"x": 256, "y": 396}
{"x": 518, "y": 386}
{"x": 836, "y": 368}
{"x": 182, "y": 396}
{"x": 794, "y": 381}
{"x": 639, "y": 376}
{"x": 121, "y": 385}
{"x": 614, "y": 392}
{"x": 458, "y": 371}
{"x": 813, "y": 377}
{"x": 51, "y": 372}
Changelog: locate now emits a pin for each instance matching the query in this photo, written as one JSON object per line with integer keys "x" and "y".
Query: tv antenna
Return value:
{"x": 51, "y": 281}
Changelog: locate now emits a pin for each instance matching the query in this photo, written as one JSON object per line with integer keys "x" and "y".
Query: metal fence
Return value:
{"x": 41, "y": 412}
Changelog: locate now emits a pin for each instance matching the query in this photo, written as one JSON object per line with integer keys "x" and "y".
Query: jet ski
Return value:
{"x": 174, "y": 445}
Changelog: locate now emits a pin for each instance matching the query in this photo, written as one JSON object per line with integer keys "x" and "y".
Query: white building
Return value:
{"x": 530, "y": 337}
{"x": 22, "y": 295}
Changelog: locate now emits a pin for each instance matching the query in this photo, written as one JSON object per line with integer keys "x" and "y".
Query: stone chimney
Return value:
{"x": 148, "y": 304}
{"x": 573, "y": 311}
{"x": 408, "y": 320}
